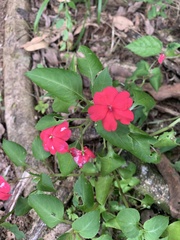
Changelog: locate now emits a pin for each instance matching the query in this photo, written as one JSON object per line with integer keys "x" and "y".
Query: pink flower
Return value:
{"x": 4, "y": 189}
{"x": 111, "y": 105}
{"x": 161, "y": 58}
{"x": 81, "y": 157}
{"x": 54, "y": 138}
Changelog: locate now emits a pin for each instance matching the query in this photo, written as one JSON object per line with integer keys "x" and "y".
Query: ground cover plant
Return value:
{"x": 103, "y": 204}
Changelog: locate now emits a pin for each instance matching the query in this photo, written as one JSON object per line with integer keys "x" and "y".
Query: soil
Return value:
{"x": 18, "y": 97}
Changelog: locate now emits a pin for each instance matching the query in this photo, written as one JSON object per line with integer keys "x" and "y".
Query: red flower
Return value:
{"x": 81, "y": 157}
{"x": 111, "y": 105}
{"x": 161, "y": 58}
{"x": 54, "y": 138}
{"x": 4, "y": 189}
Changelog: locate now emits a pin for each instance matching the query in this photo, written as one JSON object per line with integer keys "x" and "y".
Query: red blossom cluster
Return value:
{"x": 54, "y": 140}
{"x": 110, "y": 106}
{"x": 81, "y": 157}
{"x": 5, "y": 189}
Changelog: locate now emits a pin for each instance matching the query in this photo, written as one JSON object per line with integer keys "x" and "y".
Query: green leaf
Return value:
{"x": 127, "y": 171}
{"x": 146, "y": 46}
{"x": 39, "y": 14}
{"x": 101, "y": 81}
{"x": 67, "y": 236}
{"x": 66, "y": 163}
{"x": 167, "y": 139}
{"x": 114, "y": 206}
{"x": 139, "y": 237}
{"x": 38, "y": 151}
{"x": 61, "y": 106}
{"x": 142, "y": 70}
{"x": 128, "y": 184}
{"x": 41, "y": 107}
{"x": 22, "y": 207}
{"x": 171, "y": 49}
{"x": 103, "y": 237}
{"x": 104, "y": 183}
{"x": 154, "y": 227}
{"x": 89, "y": 168}
{"x": 45, "y": 183}
{"x": 49, "y": 208}
{"x": 88, "y": 225}
{"x": 128, "y": 220}
{"x": 131, "y": 139}
{"x": 59, "y": 23}
{"x": 83, "y": 194}
{"x": 72, "y": 5}
{"x": 173, "y": 231}
{"x": 152, "y": 13}
{"x": 110, "y": 163}
{"x": 141, "y": 98}
{"x": 156, "y": 78}
{"x": 48, "y": 121}
{"x": 63, "y": 84}
{"x": 147, "y": 201}
{"x": 88, "y": 63}
{"x": 113, "y": 223}
{"x": 15, "y": 152}
{"x": 168, "y": 148}
{"x": 14, "y": 229}
{"x": 177, "y": 166}
{"x": 107, "y": 216}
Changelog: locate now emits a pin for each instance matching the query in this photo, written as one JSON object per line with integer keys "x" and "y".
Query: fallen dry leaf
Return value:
{"x": 149, "y": 29}
{"x": 121, "y": 11}
{"x": 51, "y": 56}
{"x": 165, "y": 91}
{"x": 122, "y": 23}
{"x": 134, "y": 7}
{"x": 87, "y": 24}
{"x": 35, "y": 44}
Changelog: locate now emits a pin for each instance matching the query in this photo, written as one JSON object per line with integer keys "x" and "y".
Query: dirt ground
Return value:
{"x": 107, "y": 39}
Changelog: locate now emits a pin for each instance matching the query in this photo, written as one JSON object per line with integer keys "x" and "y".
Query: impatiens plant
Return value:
{"x": 102, "y": 177}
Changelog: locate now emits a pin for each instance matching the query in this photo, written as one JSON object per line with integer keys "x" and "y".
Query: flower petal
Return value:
{"x": 122, "y": 101}
{"x": 97, "y": 112}
{"x": 49, "y": 146}
{"x": 46, "y": 133}
{"x": 106, "y": 96}
{"x": 125, "y": 117}
{"x": 4, "y": 196}
{"x": 60, "y": 145}
{"x": 88, "y": 153}
{"x": 62, "y": 131}
{"x": 109, "y": 122}
{"x": 4, "y": 189}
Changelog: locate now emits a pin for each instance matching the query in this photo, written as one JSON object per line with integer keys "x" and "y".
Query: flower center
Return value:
{"x": 110, "y": 108}
{"x": 2, "y": 185}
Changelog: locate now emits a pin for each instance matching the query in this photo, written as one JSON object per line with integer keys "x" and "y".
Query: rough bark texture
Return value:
{"x": 19, "y": 114}
{"x": 19, "y": 101}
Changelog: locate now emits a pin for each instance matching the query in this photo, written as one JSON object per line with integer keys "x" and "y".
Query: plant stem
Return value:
{"x": 166, "y": 128}
{"x": 121, "y": 193}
